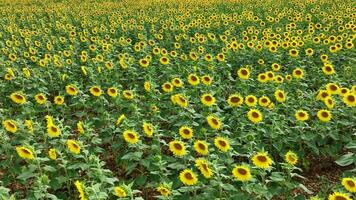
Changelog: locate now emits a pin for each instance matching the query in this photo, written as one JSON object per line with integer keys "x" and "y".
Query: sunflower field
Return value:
{"x": 171, "y": 99}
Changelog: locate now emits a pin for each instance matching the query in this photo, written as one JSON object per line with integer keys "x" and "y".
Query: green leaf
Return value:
{"x": 346, "y": 159}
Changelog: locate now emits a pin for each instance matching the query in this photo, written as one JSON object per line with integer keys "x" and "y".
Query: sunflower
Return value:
{"x": 80, "y": 127}
{"x": 71, "y": 90}
{"x": 262, "y": 78}
{"x": 177, "y": 82}
{"x": 350, "y": 99}
{"x": 80, "y": 189}
{"x": 53, "y": 130}
{"x": 242, "y": 173}
{"x": 144, "y": 62}
{"x": 73, "y": 146}
{"x": 128, "y": 94}
{"x": 324, "y": 115}
{"x": 323, "y": 94}
{"x": 344, "y": 91}
{"x": 40, "y": 98}
{"x": 339, "y": 196}
{"x": 264, "y": 101}
{"x": 262, "y": 160}
{"x": 201, "y": 147}
{"x": 280, "y": 96}
{"x": 298, "y": 73}
{"x": 120, "y": 192}
{"x": 58, "y": 100}
{"x": 193, "y": 79}
{"x": 243, "y": 73}
{"x": 206, "y": 80}
{"x": 164, "y": 60}
{"x": 278, "y": 79}
{"x": 220, "y": 57}
{"x": 203, "y": 167}
{"x": 95, "y": 91}
{"x": 222, "y": 144}
{"x": 120, "y": 119}
{"x": 147, "y": 86}
{"x": 293, "y": 53}
{"x": 188, "y": 177}
{"x": 254, "y": 115}
{"x": 332, "y": 88}
{"x": 148, "y": 129}
{"x": 186, "y": 132}
{"x": 52, "y": 154}
{"x": 10, "y": 125}
{"x": 25, "y": 153}
{"x": 18, "y": 98}
{"x": 207, "y": 99}
{"x": 167, "y": 87}
{"x": 329, "y": 102}
{"x": 251, "y": 100}
{"x": 328, "y": 69}
{"x": 214, "y": 122}
{"x": 163, "y": 190}
{"x": 349, "y": 184}
{"x": 235, "y": 100}
{"x": 112, "y": 92}
{"x": 291, "y": 158}
{"x": 270, "y": 75}
{"x": 28, "y": 125}
{"x": 177, "y": 148}
{"x": 130, "y": 136}
{"x": 301, "y": 115}
{"x": 276, "y": 67}
{"x": 180, "y": 100}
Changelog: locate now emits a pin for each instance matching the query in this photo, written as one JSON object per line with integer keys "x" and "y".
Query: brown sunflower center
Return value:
{"x": 215, "y": 121}
{"x": 11, "y": 125}
{"x": 298, "y": 72}
{"x": 350, "y": 183}
{"x": 19, "y": 97}
{"x": 193, "y": 78}
{"x": 340, "y": 198}
{"x": 251, "y": 100}
{"x": 96, "y": 90}
{"x": 131, "y": 136}
{"x": 325, "y": 114}
{"x": 25, "y": 151}
{"x": 244, "y": 72}
{"x": 351, "y": 98}
{"x": 208, "y": 98}
{"x": 186, "y": 132}
{"x": 235, "y": 99}
{"x": 54, "y": 129}
{"x": 301, "y": 114}
{"x": 178, "y": 146}
{"x": 188, "y": 176}
{"x": 222, "y": 143}
{"x": 281, "y": 95}
{"x": 333, "y": 87}
{"x": 255, "y": 115}
{"x": 201, "y": 146}
{"x": 262, "y": 158}
{"x": 242, "y": 171}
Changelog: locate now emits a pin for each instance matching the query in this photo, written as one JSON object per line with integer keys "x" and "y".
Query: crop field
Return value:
{"x": 177, "y": 99}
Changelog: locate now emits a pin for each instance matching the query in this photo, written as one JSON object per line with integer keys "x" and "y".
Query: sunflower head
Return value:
{"x": 262, "y": 160}
{"x": 188, "y": 177}
{"x": 242, "y": 173}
